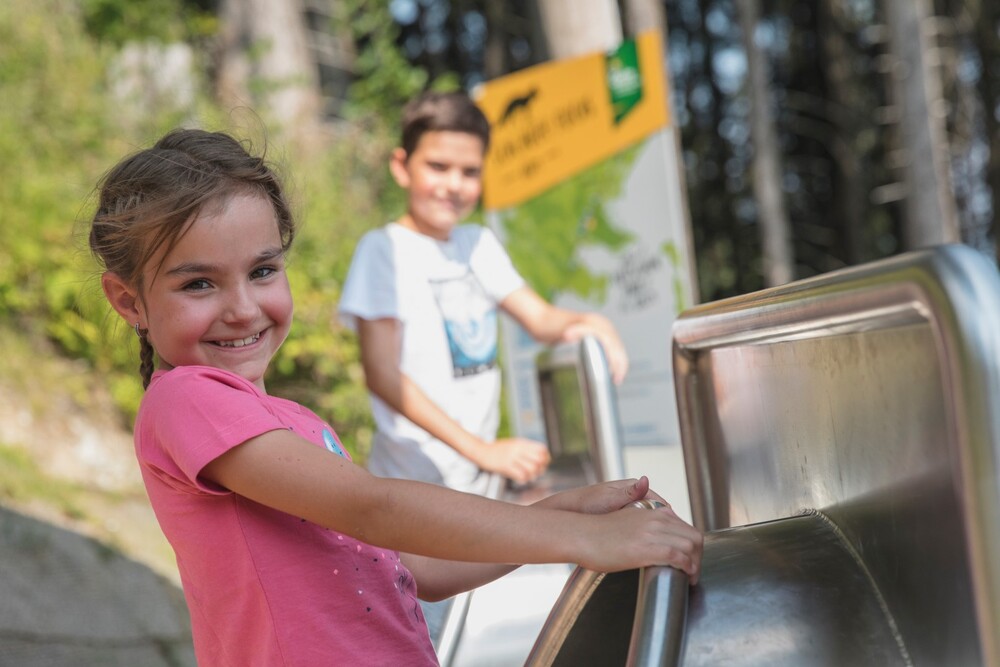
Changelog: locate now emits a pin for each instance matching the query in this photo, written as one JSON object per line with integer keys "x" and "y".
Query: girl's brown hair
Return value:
{"x": 146, "y": 202}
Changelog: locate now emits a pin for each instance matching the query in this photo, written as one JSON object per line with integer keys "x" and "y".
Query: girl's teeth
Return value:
{"x": 239, "y": 343}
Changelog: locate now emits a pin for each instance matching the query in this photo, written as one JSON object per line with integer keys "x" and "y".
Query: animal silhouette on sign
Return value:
{"x": 516, "y": 105}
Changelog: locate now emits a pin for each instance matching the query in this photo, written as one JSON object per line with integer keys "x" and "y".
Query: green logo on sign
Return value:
{"x": 624, "y": 79}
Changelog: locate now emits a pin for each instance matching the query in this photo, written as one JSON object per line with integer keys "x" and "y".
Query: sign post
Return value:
{"x": 583, "y": 186}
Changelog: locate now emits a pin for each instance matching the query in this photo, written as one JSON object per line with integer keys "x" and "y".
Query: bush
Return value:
{"x": 59, "y": 132}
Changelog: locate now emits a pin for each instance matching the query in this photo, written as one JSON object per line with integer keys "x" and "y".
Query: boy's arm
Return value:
{"x": 519, "y": 459}
{"x": 550, "y": 324}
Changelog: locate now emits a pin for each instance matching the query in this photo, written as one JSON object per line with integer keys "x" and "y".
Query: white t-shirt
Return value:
{"x": 445, "y": 294}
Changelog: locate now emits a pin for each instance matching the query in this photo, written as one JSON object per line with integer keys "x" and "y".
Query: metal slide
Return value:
{"x": 842, "y": 444}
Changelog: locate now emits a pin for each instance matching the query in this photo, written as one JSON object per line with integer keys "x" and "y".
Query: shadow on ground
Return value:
{"x": 68, "y": 600}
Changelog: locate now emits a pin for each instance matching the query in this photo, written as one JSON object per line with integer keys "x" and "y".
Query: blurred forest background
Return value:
{"x": 815, "y": 134}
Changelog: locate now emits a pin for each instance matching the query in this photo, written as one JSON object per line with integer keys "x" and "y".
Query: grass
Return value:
{"x": 22, "y": 483}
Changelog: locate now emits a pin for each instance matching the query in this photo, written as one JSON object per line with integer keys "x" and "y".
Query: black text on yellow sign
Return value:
{"x": 556, "y": 119}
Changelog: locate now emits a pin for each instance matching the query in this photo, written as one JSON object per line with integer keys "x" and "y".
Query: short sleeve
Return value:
{"x": 492, "y": 266}
{"x": 191, "y": 415}
{"x": 370, "y": 290}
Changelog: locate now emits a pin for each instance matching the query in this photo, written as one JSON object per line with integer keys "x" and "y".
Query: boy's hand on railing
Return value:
{"x": 519, "y": 459}
{"x": 604, "y": 331}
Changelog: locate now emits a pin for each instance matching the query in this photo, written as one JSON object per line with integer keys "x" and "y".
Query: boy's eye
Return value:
{"x": 472, "y": 173}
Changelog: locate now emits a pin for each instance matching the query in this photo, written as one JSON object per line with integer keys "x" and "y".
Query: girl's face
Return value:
{"x": 221, "y": 296}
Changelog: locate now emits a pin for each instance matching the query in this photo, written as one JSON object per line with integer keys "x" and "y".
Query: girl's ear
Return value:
{"x": 397, "y": 167}
{"x": 123, "y": 298}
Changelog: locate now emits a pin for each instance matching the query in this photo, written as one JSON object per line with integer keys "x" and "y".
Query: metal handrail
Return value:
{"x": 660, "y": 613}
{"x": 657, "y": 638}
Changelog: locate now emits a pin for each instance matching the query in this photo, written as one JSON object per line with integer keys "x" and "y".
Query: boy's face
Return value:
{"x": 443, "y": 175}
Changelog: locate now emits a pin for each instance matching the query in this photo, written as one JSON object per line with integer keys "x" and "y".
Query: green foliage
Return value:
{"x": 21, "y": 481}
{"x": 573, "y": 215}
{"x": 386, "y": 79}
{"x": 319, "y": 363}
{"x": 120, "y": 21}
{"x": 52, "y": 137}
{"x": 58, "y": 133}
{"x": 60, "y": 130}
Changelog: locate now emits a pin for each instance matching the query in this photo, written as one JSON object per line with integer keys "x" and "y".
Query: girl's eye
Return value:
{"x": 262, "y": 272}
{"x": 197, "y": 285}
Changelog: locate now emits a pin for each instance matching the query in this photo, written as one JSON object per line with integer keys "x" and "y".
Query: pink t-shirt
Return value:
{"x": 264, "y": 587}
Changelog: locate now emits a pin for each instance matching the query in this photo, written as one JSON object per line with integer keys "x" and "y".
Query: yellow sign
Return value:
{"x": 556, "y": 119}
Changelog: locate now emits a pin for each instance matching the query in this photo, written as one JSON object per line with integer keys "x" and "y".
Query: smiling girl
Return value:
{"x": 290, "y": 554}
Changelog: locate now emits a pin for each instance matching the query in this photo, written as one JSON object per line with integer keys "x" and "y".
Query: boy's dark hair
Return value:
{"x": 442, "y": 112}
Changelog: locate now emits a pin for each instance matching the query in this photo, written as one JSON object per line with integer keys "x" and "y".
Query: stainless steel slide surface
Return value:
{"x": 785, "y": 593}
{"x": 872, "y": 395}
{"x": 841, "y": 437}
{"x": 788, "y": 593}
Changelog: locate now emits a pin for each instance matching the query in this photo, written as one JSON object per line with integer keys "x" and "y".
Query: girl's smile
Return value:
{"x": 220, "y": 297}
{"x": 238, "y": 343}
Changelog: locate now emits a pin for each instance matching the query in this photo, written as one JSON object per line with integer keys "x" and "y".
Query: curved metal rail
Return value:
{"x": 587, "y": 625}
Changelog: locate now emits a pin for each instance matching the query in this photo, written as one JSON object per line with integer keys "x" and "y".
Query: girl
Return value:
{"x": 290, "y": 554}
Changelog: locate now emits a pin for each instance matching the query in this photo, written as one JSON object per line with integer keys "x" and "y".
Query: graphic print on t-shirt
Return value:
{"x": 470, "y": 321}
{"x": 333, "y": 444}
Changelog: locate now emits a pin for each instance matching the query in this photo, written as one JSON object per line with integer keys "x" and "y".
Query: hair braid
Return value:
{"x": 145, "y": 361}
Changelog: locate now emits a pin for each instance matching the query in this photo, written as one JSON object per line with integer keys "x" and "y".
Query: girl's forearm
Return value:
{"x": 441, "y": 579}
{"x": 281, "y": 470}
{"x": 442, "y": 523}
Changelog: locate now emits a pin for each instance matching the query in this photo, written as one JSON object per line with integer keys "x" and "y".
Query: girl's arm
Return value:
{"x": 551, "y": 324}
{"x": 440, "y": 579}
{"x": 290, "y": 474}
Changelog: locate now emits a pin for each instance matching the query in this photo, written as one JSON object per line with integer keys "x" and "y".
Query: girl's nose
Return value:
{"x": 241, "y": 306}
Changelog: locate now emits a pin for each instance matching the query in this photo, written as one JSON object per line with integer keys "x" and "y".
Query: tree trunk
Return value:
{"x": 494, "y": 58}
{"x": 930, "y": 216}
{"x": 576, "y": 27}
{"x": 772, "y": 218}
{"x": 849, "y": 173}
{"x": 986, "y": 20}
{"x": 644, "y": 15}
{"x": 265, "y": 62}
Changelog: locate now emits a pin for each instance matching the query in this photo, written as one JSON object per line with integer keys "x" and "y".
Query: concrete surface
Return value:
{"x": 68, "y": 600}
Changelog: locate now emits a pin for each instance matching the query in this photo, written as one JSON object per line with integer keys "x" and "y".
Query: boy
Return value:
{"x": 422, "y": 294}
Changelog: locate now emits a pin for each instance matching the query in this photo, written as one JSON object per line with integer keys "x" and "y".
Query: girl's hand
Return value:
{"x": 632, "y": 537}
{"x": 627, "y": 537}
{"x": 602, "y": 498}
